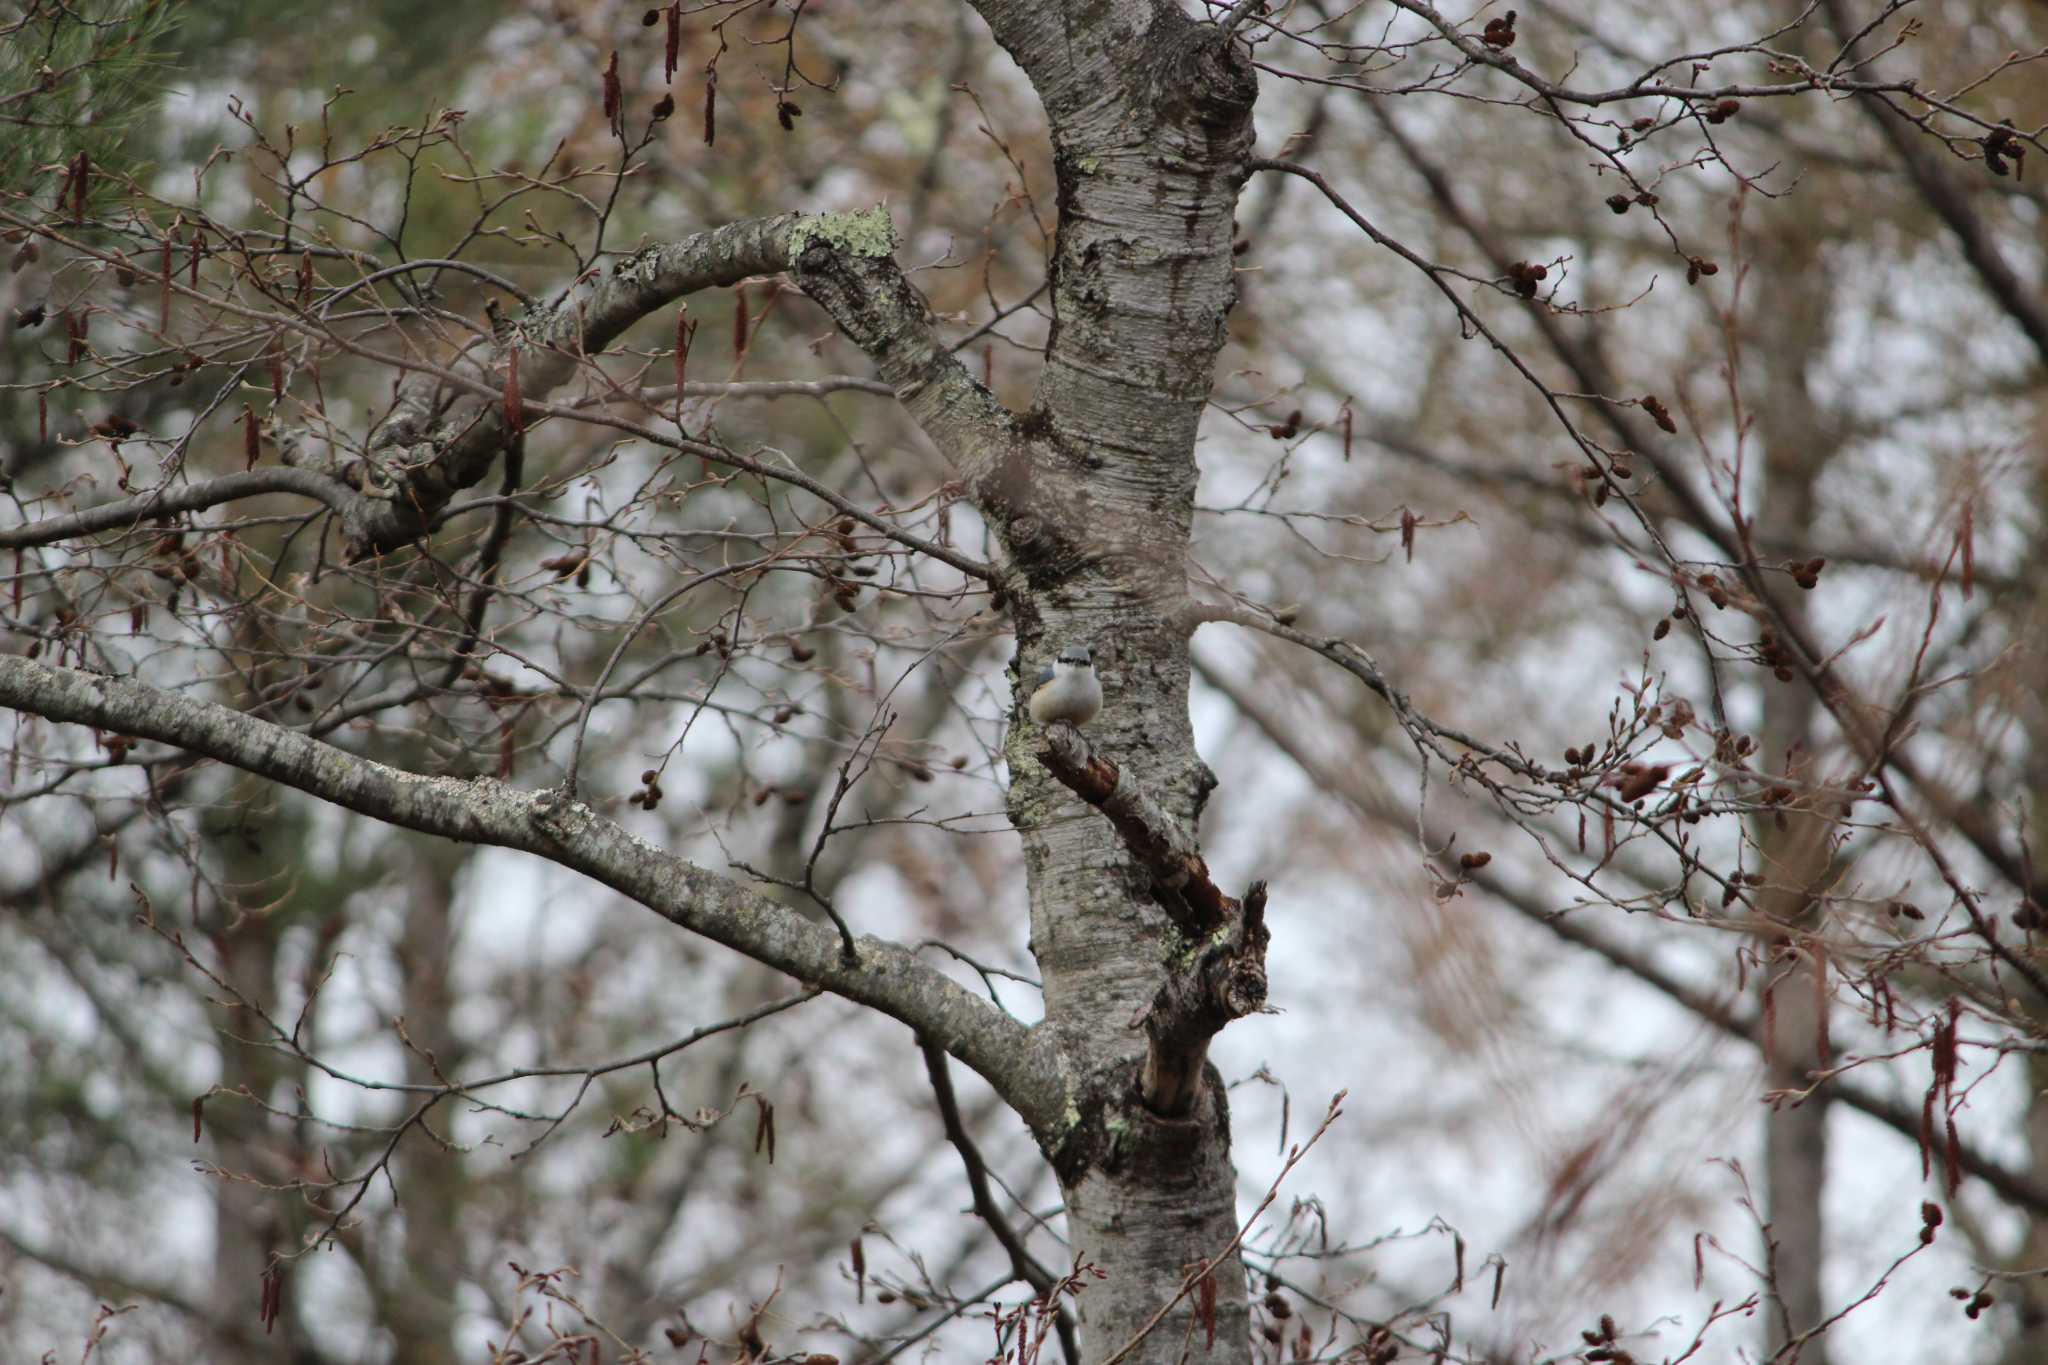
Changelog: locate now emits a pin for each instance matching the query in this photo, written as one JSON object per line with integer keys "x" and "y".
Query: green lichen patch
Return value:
{"x": 865, "y": 232}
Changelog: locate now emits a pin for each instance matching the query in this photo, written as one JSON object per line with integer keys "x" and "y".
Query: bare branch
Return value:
{"x": 884, "y": 975}
{"x": 173, "y": 499}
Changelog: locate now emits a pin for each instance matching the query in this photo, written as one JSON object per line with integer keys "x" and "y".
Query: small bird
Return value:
{"x": 1067, "y": 690}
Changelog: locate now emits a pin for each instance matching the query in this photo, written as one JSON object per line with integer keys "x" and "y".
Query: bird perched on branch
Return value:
{"x": 1067, "y": 690}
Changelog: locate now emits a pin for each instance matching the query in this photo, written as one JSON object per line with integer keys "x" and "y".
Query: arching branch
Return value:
{"x": 882, "y": 974}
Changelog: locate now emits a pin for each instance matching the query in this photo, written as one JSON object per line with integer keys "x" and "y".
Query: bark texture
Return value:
{"x": 1151, "y": 131}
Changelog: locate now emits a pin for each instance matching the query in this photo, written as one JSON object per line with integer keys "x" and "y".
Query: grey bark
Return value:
{"x": 482, "y": 811}
{"x": 1151, "y": 128}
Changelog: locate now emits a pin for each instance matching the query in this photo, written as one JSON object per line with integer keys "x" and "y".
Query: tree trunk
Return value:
{"x": 1794, "y": 851}
{"x": 1143, "y": 280}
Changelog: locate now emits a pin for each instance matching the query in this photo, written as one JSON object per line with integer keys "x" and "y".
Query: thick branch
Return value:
{"x": 171, "y": 500}
{"x": 883, "y": 975}
{"x": 882, "y": 313}
{"x": 1165, "y": 847}
{"x": 843, "y": 260}
{"x": 1221, "y": 975}
{"x": 1223, "y": 979}
{"x": 590, "y": 318}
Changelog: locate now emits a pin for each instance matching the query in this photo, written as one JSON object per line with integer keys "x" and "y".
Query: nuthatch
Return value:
{"x": 1067, "y": 690}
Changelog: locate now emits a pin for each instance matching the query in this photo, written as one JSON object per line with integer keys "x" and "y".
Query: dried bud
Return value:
{"x": 1999, "y": 144}
{"x": 1638, "y": 781}
{"x": 1618, "y": 202}
{"x": 611, "y": 92}
{"x": 1473, "y": 861}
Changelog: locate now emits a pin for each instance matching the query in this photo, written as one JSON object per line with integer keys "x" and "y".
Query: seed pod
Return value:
{"x": 611, "y": 94}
